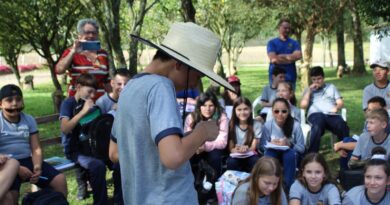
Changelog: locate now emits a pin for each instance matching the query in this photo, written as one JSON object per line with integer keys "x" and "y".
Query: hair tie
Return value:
{"x": 379, "y": 156}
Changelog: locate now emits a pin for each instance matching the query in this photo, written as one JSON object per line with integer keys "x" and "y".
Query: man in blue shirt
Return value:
{"x": 284, "y": 51}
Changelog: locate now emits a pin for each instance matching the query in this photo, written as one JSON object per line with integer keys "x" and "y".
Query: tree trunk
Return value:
{"x": 358, "y": 58}
{"x": 115, "y": 38}
{"x": 307, "y": 57}
{"x": 323, "y": 42}
{"x": 340, "y": 42}
{"x": 330, "y": 52}
{"x": 188, "y": 11}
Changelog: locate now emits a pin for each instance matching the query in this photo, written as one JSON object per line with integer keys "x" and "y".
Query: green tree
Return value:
{"x": 235, "y": 21}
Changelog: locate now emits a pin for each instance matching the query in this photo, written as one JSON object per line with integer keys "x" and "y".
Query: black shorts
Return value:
{"x": 48, "y": 172}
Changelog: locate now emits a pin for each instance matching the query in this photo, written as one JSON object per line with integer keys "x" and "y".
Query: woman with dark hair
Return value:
{"x": 208, "y": 108}
{"x": 244, "y": 135}
{"x": 282, "y": 138}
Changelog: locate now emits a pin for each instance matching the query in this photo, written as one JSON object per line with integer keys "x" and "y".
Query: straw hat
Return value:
{"x": 194, "y": 46}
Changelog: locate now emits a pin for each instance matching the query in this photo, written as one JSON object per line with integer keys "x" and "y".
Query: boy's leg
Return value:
{"x": 116, "y": 175}
{"x": 338, "y": 126}
{"x": 8, "y": 173}
{"x": 81, "y": 179}
{"x": 318, "y": 123}
{"x": 97, "y": 172}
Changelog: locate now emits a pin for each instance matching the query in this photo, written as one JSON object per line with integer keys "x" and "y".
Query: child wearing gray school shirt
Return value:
{"x": 376, "y": 135}
{"x": 313, "y": 185}
{"x": 259, "y": 187}
{"x": 376, "y": 178}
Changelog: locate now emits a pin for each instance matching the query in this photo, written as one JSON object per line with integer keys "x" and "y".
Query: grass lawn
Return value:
{"x": 38, "y": 103}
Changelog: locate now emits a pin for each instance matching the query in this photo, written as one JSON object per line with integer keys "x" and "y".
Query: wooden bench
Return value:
{"x": 59, "y": 163}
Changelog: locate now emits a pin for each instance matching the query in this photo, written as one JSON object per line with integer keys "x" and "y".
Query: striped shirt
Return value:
{"x": 81, "y": 64}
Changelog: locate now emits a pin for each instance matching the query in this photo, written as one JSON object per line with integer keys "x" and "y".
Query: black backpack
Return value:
{"x": 99, "y": 136}
{"x": 44, "y": 197}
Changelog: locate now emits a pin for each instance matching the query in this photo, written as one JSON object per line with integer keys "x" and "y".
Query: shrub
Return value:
{"x": 5, "y": 69}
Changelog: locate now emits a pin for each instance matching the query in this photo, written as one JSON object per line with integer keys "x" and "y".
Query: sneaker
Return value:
{"x": 81, "y": 192}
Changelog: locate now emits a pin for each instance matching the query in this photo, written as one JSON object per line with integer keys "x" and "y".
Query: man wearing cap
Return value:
{"x": 380, "y": 87}
{"x": 153, "y": 150}
{"x": 284, "y": 51}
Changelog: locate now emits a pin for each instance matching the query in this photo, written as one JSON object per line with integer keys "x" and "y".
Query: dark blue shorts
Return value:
{"x": 48, "y": 171}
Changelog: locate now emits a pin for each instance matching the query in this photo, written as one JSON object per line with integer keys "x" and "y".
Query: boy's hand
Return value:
{"x": 210, "y": 129}
{"x": 314, "y": 86}
{"x": 35, "y": 176}
{"x": 24, "y": 173}
{"x": 87, "y": 106}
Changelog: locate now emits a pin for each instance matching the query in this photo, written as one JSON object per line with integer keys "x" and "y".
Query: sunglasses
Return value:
{"x": 278, "y": 111}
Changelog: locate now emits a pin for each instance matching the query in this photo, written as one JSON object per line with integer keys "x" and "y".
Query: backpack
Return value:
{"x": 44, "y": 197}
{"x": 99, "y": 136}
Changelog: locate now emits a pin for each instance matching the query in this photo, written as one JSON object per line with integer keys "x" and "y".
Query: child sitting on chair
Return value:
{"x": 19, "y": 139}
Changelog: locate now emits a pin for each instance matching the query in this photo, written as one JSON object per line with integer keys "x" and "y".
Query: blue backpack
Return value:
{"x": 44, "y": 197}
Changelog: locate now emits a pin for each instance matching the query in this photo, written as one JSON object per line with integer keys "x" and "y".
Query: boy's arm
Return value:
{"x": 175, "y": 151}
{"x": 36, "y": 153}
{"x": 113, "y": 152}
{"x": 306, "y": 99}
{"x": 67, "y": 125}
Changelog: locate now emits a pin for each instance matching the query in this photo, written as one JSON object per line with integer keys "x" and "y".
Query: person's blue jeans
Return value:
{"x": 319, "y": 122}
{"x": 344, "y": 160}
{"x": 242, "y": 164}
{"x": 213, "y": 158}
{"x": 116, "y": 176}
{"x": 288, "y": 159}
{"x": 96, "y": 169}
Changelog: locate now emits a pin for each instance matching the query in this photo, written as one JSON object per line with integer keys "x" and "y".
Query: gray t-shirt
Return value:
{"x": 272, "y": 131}
{"x": 327, "y": 195}
{"x": 358, "y": 196}
{"x": 240, "y": 134}
{"x": 147, "y": 112}
{"x": 15, "y": 137}
{"x": 268, "y": 94}
{"x": 323, "y": 99}
{"x": 372, "y": 90}
{"x": 106, "y": 103}
{"x": 365, "y": 145}
{"x": 241, "y": 196}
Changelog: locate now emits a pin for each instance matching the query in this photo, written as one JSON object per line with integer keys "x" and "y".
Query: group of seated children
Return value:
{"x": 314, "y": 184}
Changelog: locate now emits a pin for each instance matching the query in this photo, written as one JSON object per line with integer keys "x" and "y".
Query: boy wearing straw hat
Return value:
{"x": 153, "y": 150}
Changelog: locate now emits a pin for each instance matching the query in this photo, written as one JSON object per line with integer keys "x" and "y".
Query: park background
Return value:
{"x": 332, "y": 33}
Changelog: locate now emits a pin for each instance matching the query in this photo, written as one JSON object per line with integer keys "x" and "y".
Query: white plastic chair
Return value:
{"x": 254, "y": 104}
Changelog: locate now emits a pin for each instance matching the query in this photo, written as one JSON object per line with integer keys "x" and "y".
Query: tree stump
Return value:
{"x": 57, "y": 98}
{"x": 28, "y": 83}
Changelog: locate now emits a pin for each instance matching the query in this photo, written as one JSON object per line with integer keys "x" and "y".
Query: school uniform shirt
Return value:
{"x": 327, "y": 195}
{"x": 268, "y": 94}
{"x": 241, "y": 134}
{"x": 146, "y": 114}
{"x": 365, "y": 145}
{"x": 358, "y": 196}
{"x": 105, "y": 103}
{"x": 15, "y": 137}
{"x": 272, "y": 131}
{"x": 323, "y": 99}
{"x": 372, "y": 90}
{"x": 241, "y": 196}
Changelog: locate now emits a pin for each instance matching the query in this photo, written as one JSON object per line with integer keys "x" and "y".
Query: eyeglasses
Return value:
{"x": 278, "y": 111}
{"x": 90, "y": 32}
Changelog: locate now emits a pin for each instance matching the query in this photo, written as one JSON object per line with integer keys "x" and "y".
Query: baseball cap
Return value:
{"x": 234, "y": 79}
{"x": 381, "y": 63}
{"x": 10, "y": 90}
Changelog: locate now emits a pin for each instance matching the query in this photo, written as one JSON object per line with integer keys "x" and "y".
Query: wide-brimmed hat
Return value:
{"x": 381, "y": 63}
{"x": 194, "y": 46}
